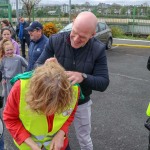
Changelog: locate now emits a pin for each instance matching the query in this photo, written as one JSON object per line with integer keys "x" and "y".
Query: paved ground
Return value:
{"x": 118, "y": 115}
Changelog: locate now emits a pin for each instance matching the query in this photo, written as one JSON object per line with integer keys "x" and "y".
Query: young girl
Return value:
{"x": 44, "y": 105}
{"x": 6, "y": 33}
{"x": 11, "y": 65}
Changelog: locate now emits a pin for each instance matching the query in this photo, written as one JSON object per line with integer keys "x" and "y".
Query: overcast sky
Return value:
{"x": 94, "y": 2}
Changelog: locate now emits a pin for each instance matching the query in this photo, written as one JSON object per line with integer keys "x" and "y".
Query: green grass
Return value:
{"x": 130, "y": 37}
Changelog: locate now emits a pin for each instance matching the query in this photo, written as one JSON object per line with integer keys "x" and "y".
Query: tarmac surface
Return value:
{"x": 118, "y": 114}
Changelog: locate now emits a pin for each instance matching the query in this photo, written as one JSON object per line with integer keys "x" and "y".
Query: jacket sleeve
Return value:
{"x": 148, "y": 63}
{"x": 47, "y": 53}
{"x": 24, "y": 62}
{"x": 99, "y": 79}
{"x": 17, "y": 49}
{"x": 11, "y": 115}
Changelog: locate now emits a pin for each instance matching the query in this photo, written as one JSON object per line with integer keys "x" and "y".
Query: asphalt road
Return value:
{"x": 118, "y": 114}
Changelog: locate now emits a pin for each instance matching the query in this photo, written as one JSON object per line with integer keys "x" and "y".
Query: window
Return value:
{"x": 102, "y": 26}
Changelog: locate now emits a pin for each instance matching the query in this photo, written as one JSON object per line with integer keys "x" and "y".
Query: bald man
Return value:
{"x": 84, "y": 59}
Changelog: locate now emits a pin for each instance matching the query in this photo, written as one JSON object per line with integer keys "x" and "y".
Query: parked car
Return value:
{"x": 103, "y": 33}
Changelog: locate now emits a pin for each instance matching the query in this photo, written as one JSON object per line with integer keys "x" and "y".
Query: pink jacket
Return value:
{"x": 16, "y": 47}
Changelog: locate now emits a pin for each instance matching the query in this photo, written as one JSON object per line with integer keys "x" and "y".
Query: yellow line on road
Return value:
{"x": 131, "y": 45}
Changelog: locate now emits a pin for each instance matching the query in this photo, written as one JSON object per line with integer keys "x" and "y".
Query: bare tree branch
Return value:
{"x": 29, "y": 5}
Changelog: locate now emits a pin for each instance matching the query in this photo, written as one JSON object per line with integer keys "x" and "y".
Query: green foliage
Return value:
{"x": 59, "y": 26}
{"x": 117, "y": 31}
{"x": 148, "y": 38}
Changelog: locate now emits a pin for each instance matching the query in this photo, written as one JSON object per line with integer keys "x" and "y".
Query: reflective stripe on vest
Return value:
{"x": 36, "y": 123}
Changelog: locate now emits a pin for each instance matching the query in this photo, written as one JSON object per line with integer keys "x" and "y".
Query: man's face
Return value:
{"x": 35, "y": 34}
{"x": 21, "y": 20}
{"x": 79, "y": 37}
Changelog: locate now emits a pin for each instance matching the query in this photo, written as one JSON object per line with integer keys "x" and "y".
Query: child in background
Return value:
{"x": 11, "y": 65}
{"x": 6, "y": 33}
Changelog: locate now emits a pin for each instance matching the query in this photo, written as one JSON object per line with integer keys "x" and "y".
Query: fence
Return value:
{"x": 133, "y": 19}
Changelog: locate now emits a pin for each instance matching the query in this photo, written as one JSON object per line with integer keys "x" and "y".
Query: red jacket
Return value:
{"x": 14, "y": 124}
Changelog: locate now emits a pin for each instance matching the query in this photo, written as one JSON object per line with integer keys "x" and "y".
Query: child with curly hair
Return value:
{"x": 45, "y": 104}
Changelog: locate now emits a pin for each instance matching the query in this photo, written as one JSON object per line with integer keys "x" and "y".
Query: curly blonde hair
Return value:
{"x": 49, "y": 90}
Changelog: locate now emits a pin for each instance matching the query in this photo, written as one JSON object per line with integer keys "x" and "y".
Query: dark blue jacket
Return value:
{"x": 90, "y": 59}
{"x": 25, "y": 32}
{"x": 35, "y": 50}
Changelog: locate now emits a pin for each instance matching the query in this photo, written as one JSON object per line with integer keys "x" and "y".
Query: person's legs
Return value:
{"x": 23, "y": 48}
{"x": 2, "y": 143}
{"x": 82, "y": 124}
{"x": 68, "y": 147}
{"x": 149, "y": 141}
{"x": 28, "y": 42}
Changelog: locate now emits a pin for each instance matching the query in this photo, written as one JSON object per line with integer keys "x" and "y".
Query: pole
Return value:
{"x": 9, "y": 13}
{"x": 17, "y": 13}
{"x": 133, "y": 20}
{"x": 69, "y": 11}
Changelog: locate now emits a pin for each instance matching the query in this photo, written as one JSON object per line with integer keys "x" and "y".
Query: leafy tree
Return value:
{"x": 39, "y": 13}
{"x": 14, "y": 13}
{"x": 124, "y": 9}
{"x": 29, "y": 6}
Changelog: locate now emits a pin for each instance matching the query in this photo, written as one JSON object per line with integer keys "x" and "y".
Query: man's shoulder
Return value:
{"x": 60, "y": 36}
{"x": 45, "y": 38}
{"x": 97, "y": 44}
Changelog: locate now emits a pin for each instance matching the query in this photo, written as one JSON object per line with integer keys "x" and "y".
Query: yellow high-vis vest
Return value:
{"x": 37, "y": 123}
{"x": 148, "y": 110}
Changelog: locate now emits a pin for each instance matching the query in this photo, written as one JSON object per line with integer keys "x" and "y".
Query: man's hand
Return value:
{"x": 74, "y": 77}
{"x": 53, "y": 59}
{"x": 58, "y": 141}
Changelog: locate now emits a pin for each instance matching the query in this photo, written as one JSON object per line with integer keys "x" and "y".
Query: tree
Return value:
{"x": 29, "y": 6}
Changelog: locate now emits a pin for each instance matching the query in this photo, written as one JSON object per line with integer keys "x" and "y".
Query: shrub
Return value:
{"x": 49, "y": 29}
{"x": 58, "y": 25}
{"x": 117, "y": 31}
{"x": 148, "y": 38}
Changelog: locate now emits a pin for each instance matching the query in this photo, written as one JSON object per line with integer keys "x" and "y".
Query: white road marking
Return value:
{"x": 129, "y": 77}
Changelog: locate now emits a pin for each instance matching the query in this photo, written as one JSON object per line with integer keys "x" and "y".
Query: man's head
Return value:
{"x": 21, "y": 19}
{"x": 35, "y": 30}
{"x": 50, "y": 90}
{"x": 84, "y": 27}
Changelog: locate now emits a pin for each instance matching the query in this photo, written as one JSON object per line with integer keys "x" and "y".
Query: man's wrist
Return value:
{"x": 84, "y": 76}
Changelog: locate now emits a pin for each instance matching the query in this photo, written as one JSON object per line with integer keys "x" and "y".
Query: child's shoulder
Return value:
{"x": 18, "y": 56}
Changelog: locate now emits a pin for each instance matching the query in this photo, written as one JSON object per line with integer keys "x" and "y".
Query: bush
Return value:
{"x": 117, "y": 31}
{"x": 59, "y": 26}
{"x": 148, "y": 38}
{"x": 49, "y": 29}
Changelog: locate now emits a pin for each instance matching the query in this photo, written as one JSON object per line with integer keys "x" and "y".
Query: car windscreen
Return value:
{"x": 67, "y": 28}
